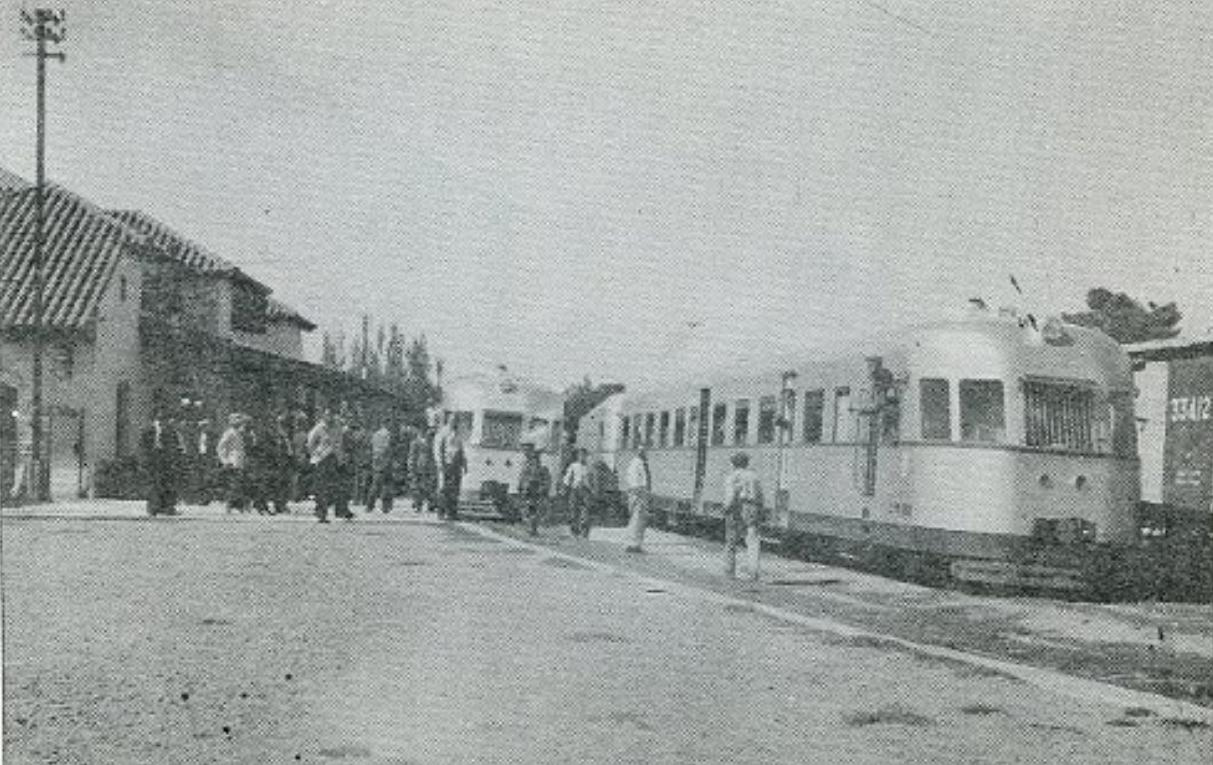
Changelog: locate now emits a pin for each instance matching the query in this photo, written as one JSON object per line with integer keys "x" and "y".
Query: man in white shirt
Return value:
{"x": 742, "y": 511}
{"x": 639, "y": 487}
{"x": 576, "y": 485}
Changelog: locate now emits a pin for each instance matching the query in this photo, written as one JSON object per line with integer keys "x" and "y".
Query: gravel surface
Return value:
{"x": 400, "y": 640}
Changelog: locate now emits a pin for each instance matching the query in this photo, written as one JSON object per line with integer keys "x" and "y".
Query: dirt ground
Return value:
{"x": 401, "y": 640}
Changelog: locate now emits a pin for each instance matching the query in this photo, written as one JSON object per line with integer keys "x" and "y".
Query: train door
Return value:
{"x": 701, "y": 446}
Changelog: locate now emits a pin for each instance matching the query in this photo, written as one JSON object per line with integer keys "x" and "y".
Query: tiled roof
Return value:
{"x": 82, "y": 246}
{"x": 81, "y": 249}
{"x": 11, "y": 182}
{"x": 176, "y": 246}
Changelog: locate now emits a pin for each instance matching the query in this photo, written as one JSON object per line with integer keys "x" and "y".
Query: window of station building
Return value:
{"x": 625, "y": 430}
{"x": 692, "y": 425}
{"x": 936, "y": 409}
{"x": 982, "y": 415}
{"x": 665, "y": 429}
{"x": 501, "y": 429}
{"x": 814, "y": 415}
{"x": 649, "y": 421}
{"x": 680, "y": 426}
{"x": 741, "y": 421}
{"x": 766, "y": 419}
{"x": 719, "y": 415}
{"x": 637, "y": 430}
{"x": 842, "y": 414}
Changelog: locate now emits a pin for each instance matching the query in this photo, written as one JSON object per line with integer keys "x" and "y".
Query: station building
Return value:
{"x": 137, "y": 317}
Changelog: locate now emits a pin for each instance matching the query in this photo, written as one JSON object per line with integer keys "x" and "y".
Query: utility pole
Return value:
{"x": 40, "y": 26}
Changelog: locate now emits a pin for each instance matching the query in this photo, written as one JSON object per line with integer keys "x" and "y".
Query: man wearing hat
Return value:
{"x": 233, "y": 459}
{"x": 742, "y": 511}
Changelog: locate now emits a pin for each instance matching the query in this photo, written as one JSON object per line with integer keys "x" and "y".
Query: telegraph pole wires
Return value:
{"x": 40, "y": 26}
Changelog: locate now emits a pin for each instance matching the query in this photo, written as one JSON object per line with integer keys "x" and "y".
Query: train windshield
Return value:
{"x": 501, "y": 429}
{"x": 1074, "y": 416}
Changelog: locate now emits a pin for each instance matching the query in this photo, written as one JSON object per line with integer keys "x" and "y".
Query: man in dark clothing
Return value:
{"x": 534, "y": 483}
{"x": 455, "y": 465}
{"x": 422, "y": 475}
{"x": 162, "y": 460}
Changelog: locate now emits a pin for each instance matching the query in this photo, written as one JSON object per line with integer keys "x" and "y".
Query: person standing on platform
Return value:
{"x": 640, "y": 489}
{"x": 534, "y": 482}
{"x": 300, "y": 488}
{"x": 743, "y": 511}
{"x": 347, "y": 448}
{"x": 280, "y": 452}
{"x": 322, "y": 451}
{"x": 162, "y": 459}
{"x": 233, "y": 458}
{"x": 382, "y": 481}
{"x": 576, "y": 485}
{"x": 422, "y": 478}
{"x": 454, "y": 468}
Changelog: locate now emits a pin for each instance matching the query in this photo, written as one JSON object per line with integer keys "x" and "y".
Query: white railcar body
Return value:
{"x": 971, "y": 439}
{"x": 495, "y": 415}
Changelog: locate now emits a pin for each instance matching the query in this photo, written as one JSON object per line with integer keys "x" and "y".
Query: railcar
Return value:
{"x": 494, "y": 415}
{"x": 995, "y": 450}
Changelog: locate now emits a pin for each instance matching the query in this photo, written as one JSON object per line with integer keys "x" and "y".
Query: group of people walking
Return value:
{"x": 339, "y": 464}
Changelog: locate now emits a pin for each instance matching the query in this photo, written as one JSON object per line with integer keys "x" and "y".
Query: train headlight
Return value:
{"x": 1081, "y": 483}
{"x": 1046, "y": 482}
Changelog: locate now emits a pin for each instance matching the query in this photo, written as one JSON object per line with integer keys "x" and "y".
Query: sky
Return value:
{"x": 626, "y": 190}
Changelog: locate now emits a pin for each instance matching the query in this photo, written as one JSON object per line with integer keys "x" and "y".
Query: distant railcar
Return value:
{"x": 1002, "y": 453}
{"x": 495, "y": 415}
{"x": 1175, "y": 421}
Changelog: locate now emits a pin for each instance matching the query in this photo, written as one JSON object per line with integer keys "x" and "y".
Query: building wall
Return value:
{"x": 281, "y": 338}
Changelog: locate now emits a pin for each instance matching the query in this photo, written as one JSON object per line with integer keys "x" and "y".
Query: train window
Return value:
{"x": 936, "y": 409}
{"x": 625, "y": 430}
{"x": 814, "y": 410}
{"x": 1058, "y": 415}
{"x": 692, "y": 425}
{"x": 463, "y": 423}
{"x": 665, "y": 429}
{"x": 982, "y": 415}
{"x": 680, "y": 426}
{"x": 842, "y": 408}
{"x": 766, "y": 419}
{"x": 637, "y": 432}
{"x": 649, "y": 421}
{"x": 500, "y": 429}
{"x": 741, "y": 421}
{"x": 719, "y": 413}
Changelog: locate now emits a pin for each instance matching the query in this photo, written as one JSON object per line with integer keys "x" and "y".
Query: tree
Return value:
{"x": 579, "y": 399}
{"x": 332, "y": 351}
{"x": 1124, "y": 319}
{"x": 419, "y": 391}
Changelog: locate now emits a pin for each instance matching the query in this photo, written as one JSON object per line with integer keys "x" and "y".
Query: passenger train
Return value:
{"x": 998, "y": 451}
{"x": 494, "y": 415}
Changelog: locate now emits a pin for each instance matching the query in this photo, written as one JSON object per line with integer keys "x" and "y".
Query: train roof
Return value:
{"x": 983, "y": 333}
{"x": 502, "y": 392}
